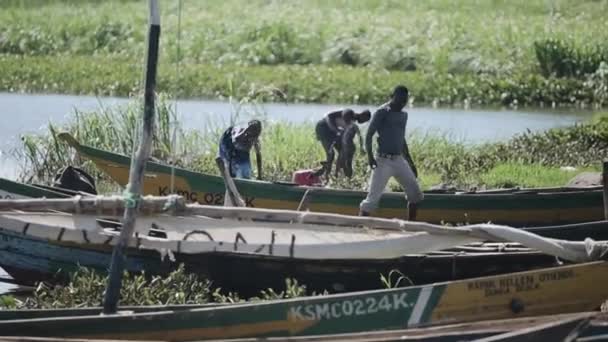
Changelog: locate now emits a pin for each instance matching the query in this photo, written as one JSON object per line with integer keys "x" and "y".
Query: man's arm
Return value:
{"x": 408, "y": 158}
{"x": 371, "y": 130}
{"x": 258, "y": 157}
{"x": 358, "y": 132}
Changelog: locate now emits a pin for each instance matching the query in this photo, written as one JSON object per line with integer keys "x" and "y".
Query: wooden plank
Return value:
{"x": 553, "y": 331}
{"x": 231, "y": 190}
{"x": 57, "y": 339}
{"x": 138, "y": 167}
{"x": 462, "y": 331}
{"x": 605, "y": 188}
{"x": 303, "y": 206}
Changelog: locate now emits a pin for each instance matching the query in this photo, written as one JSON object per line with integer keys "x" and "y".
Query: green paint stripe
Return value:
{"x": 27, "y": 190}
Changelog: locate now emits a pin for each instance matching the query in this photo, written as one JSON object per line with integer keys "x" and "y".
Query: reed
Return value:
{"x": 529, "y": 159}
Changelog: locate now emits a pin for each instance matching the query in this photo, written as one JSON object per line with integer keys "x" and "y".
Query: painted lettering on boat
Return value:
{"x": 521, "y": 283}
{"x": 351, "y": 307}
{"x": 210, "y": 198}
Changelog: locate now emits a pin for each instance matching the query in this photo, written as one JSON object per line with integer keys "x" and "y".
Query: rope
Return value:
{"x": 130, "y": 199}
{"x": 171, "y": 205}
{"x": 177, "y": 73}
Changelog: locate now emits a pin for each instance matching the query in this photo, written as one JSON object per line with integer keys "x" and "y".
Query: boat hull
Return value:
{"x": 28, "y": 260}
{"x": 533, "y": 293}
{"x": 533, "y": 207}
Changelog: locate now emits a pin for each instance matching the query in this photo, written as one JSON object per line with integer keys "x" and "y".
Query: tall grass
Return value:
{"x": 563, "y": 59}
{"x": 397, "y": 34}
{"x": 529, "y": 159}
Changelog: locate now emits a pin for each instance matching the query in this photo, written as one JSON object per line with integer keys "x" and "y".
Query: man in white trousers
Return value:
{"x": 392, "y": 157}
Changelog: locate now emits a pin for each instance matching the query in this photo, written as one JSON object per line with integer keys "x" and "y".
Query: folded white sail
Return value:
{"x": 199, "y": 234}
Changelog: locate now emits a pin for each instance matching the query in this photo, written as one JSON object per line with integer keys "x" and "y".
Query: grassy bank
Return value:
{"x": 121, "y": 76}
{"x": 479, "y": 52}
{"x": 528, "y": 160}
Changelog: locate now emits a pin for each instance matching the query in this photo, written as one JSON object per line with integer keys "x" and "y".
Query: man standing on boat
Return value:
{"x": 393, "y": 157}
{"x": 235, "y": 146}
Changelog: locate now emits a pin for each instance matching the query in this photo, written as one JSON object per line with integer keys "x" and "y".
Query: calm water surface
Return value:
{"x": 23, "y": 113}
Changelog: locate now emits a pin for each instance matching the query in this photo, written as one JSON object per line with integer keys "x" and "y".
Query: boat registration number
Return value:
{"x": 211, "y": 198}
{"x": 351, "y": 307}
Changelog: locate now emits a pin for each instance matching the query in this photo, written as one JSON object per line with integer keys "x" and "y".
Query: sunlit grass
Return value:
{"x": 529, "y": 159}
{"x": 481, "y": 52}
{"x": 531, "y": 175}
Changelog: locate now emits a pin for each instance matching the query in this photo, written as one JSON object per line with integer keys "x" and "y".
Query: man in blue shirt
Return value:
{"x": 392, "y": 157}
{"x": 235, "y": 145}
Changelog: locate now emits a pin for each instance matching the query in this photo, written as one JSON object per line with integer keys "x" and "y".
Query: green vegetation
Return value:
{"x": 86, "y": 287}
{"x": 475, "y": 52}
{"x": 527, "y": 160}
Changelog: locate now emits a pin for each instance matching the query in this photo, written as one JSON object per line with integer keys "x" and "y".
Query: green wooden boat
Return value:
{"x": 583, "y": 326}
{"x": 565, "y": 289}
{"x": 514, "y": 207}
{"x": 586, "y": 326}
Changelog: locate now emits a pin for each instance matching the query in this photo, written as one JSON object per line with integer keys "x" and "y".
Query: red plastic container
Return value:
{"x": 305, "y": 177}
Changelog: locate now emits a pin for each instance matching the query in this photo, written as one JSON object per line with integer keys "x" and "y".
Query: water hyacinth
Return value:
{"x": 486, "y": 52}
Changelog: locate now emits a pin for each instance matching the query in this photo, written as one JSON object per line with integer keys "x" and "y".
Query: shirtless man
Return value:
{"x": 348, "y": 149}
{"x": 392, "y": 157}
{"x": 329, "y": 131}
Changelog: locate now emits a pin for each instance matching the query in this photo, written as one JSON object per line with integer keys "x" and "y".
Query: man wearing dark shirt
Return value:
{"x": 235, "y": 145}
{"x": 393, "y": 159}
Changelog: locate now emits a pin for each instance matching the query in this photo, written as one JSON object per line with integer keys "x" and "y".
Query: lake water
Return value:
{"x": 31, "y": 113}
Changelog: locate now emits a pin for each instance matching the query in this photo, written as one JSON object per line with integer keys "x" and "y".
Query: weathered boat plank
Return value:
{"x": 553, "y": 331}
{"x": 442, "y": 333}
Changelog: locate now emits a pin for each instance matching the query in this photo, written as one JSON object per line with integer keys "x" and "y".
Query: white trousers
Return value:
{"x": 396, "y": 167}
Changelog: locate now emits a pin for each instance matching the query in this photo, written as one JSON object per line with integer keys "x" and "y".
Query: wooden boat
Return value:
{"x": 29, "y": 259}
{"x": 597, "y": 230}
{"x": 532, "y": 293}
{"x": 36, "y": 244}
{"x": 551, "y": 325}
{"x": 540, "y": 328}
{"x": 514, "y": 207}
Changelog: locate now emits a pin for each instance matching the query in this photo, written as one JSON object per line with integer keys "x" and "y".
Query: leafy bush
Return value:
{"x": 86, "y": 289}
{"x": 557, "y": 57}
